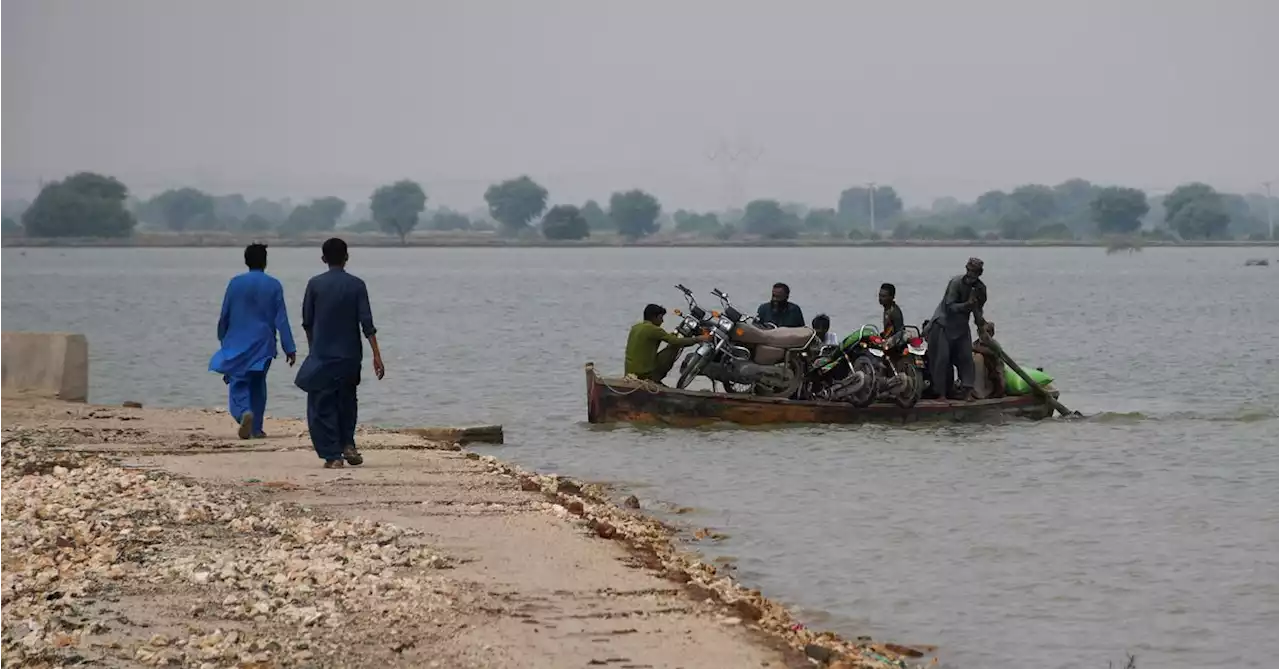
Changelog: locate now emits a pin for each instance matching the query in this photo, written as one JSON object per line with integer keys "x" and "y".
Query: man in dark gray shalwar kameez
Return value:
{"x": 950, "y": 342}
{"x": 335, "y": 311}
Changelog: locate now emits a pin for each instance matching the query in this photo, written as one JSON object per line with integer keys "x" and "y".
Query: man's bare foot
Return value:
{"x": 352, "y": 456}
{"x": 333, "y": 464}
{"x": 246, "y": 425}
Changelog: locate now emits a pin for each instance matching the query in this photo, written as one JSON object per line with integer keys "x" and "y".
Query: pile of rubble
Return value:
{"x": 257, "y": 583}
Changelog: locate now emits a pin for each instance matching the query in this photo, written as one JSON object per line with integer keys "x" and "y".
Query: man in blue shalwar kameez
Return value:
{"x": 253, "y": 312}
{"x": 335, "y": 312}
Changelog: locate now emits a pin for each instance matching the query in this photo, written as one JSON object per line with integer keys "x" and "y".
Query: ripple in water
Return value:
{"x": 1149, "y": 528}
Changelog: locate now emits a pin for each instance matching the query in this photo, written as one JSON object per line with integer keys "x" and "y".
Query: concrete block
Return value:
{"x": 46, "y": 364}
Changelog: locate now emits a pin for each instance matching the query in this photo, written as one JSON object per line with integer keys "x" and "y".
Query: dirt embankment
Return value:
{"x": 140, "y": 537}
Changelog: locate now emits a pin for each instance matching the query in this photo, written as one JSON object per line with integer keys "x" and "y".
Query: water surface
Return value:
{"x": 1150, "y": 529}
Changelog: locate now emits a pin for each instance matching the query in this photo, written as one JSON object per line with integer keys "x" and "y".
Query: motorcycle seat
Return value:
{"x": 778, "y": 337}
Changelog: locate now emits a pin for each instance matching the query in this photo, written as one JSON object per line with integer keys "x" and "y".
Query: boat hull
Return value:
{"x": 616, "y": 400}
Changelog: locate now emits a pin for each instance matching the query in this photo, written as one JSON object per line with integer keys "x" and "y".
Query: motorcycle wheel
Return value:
{"x": 796, "y": 368}
{"x": 864, "y": 397}
{"x": 689, "y": 369}
{"x": 913, "y": 385}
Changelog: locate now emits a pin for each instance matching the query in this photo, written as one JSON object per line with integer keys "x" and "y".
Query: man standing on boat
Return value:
{"x": 950, "y": 341}
{"x": 893, "y": 321}
{"x": 643, "y": 359}
{"x": 779, "y": 310}
{"x": 253, "y": 312}
{"x": 335, "y": 310}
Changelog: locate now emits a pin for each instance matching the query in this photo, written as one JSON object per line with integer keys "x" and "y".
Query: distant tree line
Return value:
{"x": 94, "y": 205}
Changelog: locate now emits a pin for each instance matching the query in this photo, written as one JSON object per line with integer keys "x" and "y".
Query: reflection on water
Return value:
{"x": 1149, "y": 527}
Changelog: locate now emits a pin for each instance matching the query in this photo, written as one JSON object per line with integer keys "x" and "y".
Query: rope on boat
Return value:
{"x": 644, "y": 384}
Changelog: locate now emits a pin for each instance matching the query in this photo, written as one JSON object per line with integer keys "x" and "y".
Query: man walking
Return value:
{"x": 253, "y": 312}
{"x": 335, "y": 310}
{"x": 950, "y": 342}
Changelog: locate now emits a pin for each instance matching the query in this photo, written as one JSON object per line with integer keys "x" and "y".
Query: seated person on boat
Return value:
{"x": 780, "y": 310}
{"x": 822, "y": 331}
{"x": 643, "y": 359}
{"x": 988, "y": 367}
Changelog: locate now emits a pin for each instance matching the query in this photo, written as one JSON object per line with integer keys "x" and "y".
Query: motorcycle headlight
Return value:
{"x": 725, "y": 324}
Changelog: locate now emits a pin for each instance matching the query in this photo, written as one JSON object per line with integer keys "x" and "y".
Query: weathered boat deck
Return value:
{"x": 616, "y": 399}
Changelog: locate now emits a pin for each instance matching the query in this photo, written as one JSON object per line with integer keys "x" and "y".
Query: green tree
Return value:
{"x": 1196, "y": 211}
{"x": 768, "y": 219}
{"x": 1015, "y": 222}
{"x": 991, "y": 203}
{"x": 1038, "y": 201}
{"x": 944, "y": 204}
{"x": 692, "y": 222}
{"x": 11, "y": 227}
{"x": 271, "y": 211}
{"x": 447, "y": 220}
{"x": 1074, "y": 194}
{"x": 395, "y": 207}
{"x": 596, "y": 218}
{"x": 1246, "y": 218}
{"x": 183, "y": 209}
{"x": 1119, "y": 211}
{"x": 256, "y": 223}
{"x": 515, "y": 203}
{"x": 965, "y": 232}
{"x": 888, "y": 203}
{"x": 1184, "y": 195}
{"x": 854, "y": 206}
{"x": 565, "y": 221}
{"x": 634, "y": 213}
{"x": 821, "y": 221}
{"x": 230, "y": 210}
{"x": 82, "y": 205}
{"x": 319, "y": 215}
{"x": 1204, "y": 218}
{"x": 1054, "y": 231}
{"x": 904, "y": 230}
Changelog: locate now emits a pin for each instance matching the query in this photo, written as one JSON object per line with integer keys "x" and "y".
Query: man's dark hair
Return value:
{"x": 653, "y": 311}
{"x": 255, "y": 256}
{"x": 334, "y": 251}
{"x": 783, "y": 286}
{"x": 889, "y": 288}
{"x": 821, "y": 320}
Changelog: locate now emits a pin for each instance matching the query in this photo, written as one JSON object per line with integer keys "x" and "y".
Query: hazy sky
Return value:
{"x": 936, "y": 97}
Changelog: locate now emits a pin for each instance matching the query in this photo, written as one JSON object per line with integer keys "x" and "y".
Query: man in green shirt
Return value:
{"x": 644, "y": 360}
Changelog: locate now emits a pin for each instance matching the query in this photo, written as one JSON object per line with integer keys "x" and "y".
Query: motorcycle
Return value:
{"x": 840, "y": 374}
{"x": 747, "y": 357}
{"x": 696, "y": 321}
{"x": 898, "y": 362}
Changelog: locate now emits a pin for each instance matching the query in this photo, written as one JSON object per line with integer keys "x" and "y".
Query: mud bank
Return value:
{"x": 143, "y": 537}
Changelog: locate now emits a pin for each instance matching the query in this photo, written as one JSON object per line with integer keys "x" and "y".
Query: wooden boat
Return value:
{"x": 611, "y": 400}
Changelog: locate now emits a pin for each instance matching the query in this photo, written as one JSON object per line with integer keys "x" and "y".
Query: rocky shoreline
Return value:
{"x": 142, "y": 537}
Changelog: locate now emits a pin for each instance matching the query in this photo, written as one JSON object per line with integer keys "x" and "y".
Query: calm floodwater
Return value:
{"x": 1151, "y": 528}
